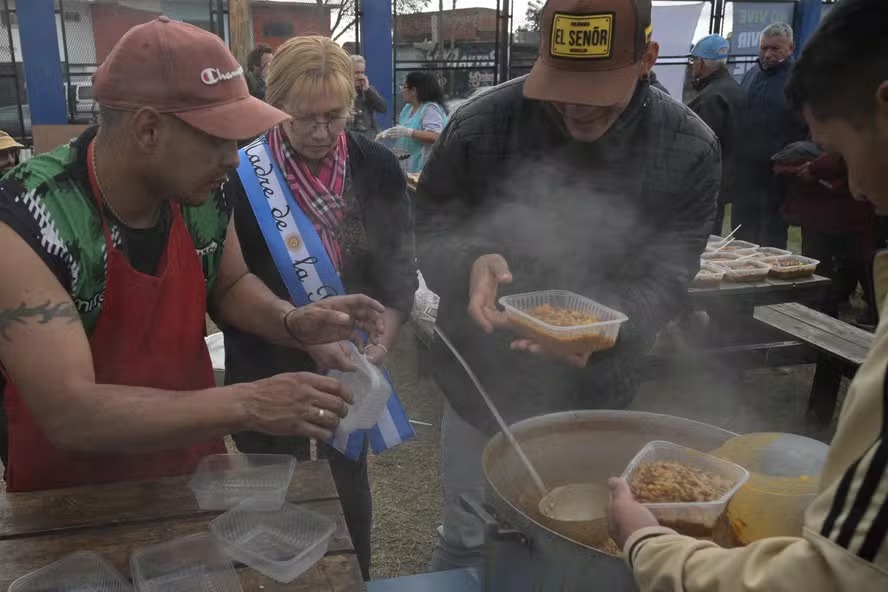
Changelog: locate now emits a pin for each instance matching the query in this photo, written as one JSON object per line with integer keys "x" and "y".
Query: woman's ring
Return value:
{"x": 322, "y": 413}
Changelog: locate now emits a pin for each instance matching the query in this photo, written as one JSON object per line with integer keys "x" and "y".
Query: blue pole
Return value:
{"x": 376, "y": 41}
{"x": 43, "y": 68}
{"x": 807, "y": 21}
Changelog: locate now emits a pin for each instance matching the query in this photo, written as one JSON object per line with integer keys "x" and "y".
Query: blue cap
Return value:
{"x": 711, "y": 47}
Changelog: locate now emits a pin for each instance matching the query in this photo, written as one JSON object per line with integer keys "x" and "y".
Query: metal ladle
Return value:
{"x": 577, "y": 510}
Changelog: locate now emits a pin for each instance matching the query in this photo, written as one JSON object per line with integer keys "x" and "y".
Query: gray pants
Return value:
{"x": 461, "y": 536}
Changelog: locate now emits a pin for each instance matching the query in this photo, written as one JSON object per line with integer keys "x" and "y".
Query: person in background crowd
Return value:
{"x": 257, "y": 70}
{"x": 368, "y": 101}
{"x": 837, "y": 230}
{"x": 422, "y": 119}
{"x": 353, "y": 191}
{"x": 841, "y": 84}
{"x": 766, "y": 126}
{"x": 9, "y": 152}
{"x": 719, "y": 103}
{"x": 578, "y": 176}
{"x": 114, "y": 248}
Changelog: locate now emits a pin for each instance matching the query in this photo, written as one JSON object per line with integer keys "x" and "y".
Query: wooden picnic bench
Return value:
{"x": 840, "y": 349}
{"x": 115, "y": 519}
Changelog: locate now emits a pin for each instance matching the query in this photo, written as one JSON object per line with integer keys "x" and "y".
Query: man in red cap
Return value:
{"x": 112, "y": 253}
{"x": 581, "y": 177}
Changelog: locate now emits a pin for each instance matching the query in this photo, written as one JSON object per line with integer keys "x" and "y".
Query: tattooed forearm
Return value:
{"x": 41, "y": 313}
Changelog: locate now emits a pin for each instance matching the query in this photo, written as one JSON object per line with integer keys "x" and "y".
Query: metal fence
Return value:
{"x": 15, "y": 115}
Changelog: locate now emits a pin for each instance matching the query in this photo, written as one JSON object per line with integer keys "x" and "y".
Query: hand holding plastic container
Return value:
{"x": 370, "y": 390}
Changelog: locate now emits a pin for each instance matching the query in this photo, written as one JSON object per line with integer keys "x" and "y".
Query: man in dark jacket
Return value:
{"x": 719, "y": 103}
{"x": 368, "y": 102}
{"x": 577, "y": 177}
{"x": 766, "y": 127}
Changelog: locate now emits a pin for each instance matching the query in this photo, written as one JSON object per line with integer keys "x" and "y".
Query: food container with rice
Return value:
{"x": 740, "y": 247}
{"x": 747, "y": 270}
{"x": 718, "y": 258}
{"x": 564, "y": 322}
{"x": 766, "y": 254}
{"x": 684, "y": 489}
{"x": 789, "y": 267}
{"x": 709, "y": 275}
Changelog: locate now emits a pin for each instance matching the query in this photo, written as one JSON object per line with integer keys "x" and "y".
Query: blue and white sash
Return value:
{"x": 309, "y": 275}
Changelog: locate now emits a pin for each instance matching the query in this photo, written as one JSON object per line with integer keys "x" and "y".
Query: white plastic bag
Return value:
{"x": 425, "y": 303}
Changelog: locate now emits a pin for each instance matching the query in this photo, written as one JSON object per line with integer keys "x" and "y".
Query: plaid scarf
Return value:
{"x": 319, "y": 195}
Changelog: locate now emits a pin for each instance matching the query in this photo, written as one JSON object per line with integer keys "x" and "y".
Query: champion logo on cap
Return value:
{"x": 582, "y": 36}
{"x": 211, "y": 76}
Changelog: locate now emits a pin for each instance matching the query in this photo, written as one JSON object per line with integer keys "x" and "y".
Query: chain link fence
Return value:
{"x": 15, "y": 115}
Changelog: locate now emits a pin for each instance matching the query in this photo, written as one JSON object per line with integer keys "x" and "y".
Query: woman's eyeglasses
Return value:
{"x": 312, "y": 123}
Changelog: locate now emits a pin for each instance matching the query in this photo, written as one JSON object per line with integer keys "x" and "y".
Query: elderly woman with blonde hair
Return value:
{"x": 352, "y": 194}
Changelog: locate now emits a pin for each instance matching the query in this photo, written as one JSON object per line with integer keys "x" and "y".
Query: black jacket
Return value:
{"x": 622, "y": 220}
{"x": 367, "y": 105}
{"x": 720, "y": 103}
{"x": 766, "y": 127}
{"x": 384, "y": 267}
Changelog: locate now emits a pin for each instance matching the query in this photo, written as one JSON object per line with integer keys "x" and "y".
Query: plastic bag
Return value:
{"x": 425, "y": 303}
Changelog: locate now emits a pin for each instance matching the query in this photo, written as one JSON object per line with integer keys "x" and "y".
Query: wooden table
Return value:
{"x": 114, "y": 520}
{"x": 769, "y": 291}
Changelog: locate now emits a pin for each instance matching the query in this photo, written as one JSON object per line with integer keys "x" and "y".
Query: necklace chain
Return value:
{"x": 103, "y": 195}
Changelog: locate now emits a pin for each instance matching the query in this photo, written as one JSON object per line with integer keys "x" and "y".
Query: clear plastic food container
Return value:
{"x": 222, "y": 481}
{"x": 714, "y": 240}
{"x": 190, "y": 563}
{"x": 748, "y": 270}
{"x": 370, "y": 389}
{"x": 740, "y": 247}
{"x": 718, "y": 258}
{"x": 83, "y": 570}
{"x": 281, "y": 544}
{"x": 708, "y": 276}
{"x": 697, "y": 518}
{"x": 788, "y": 267}
{"x": 768, "y": 253}
{"x": 598, "y": 335}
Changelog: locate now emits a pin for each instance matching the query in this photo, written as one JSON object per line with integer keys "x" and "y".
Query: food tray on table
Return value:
{"x": 709, "y": 275}
{"x": 766, "y": 254}
{"x": 718, "y": 258}
{"x": 222, "y": 481}
{"x": 788, "y": 267}
{"x": 189, "y": 563}
{"x": 83, "y": 570}
{"x": 281, "y": 544}
{"x": 739, "y": 247}
{"x": 711, "y": 478}
{"x": 747, "y": 270}
{"x": 564, "y": 322}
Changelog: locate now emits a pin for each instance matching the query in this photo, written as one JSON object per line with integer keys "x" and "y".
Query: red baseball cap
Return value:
{"x": 589, "y": 50}
{"x": 182, "y": 70}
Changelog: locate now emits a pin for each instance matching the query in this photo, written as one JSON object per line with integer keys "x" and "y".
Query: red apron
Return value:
{"x": 150, "y": 334}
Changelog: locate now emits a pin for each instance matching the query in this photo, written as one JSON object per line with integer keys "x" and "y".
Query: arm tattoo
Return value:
{"x": 42, "y": 313}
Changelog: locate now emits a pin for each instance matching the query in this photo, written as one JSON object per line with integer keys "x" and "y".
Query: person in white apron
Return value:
{"x": 422, "y": 119}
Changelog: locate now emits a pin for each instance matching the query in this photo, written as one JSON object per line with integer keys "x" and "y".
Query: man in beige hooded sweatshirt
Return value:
{"x": 841, "y": 85}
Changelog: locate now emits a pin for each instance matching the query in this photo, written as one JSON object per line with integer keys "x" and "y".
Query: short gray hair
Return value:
{"x": 778, "y": 30}
{"x": 356, "y": 59}
{"x": 715, "y": 63}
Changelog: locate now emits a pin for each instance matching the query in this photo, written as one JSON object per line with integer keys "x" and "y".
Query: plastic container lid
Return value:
{"x": 280, "y": 544}
{"x": 370, "y": 389}
{"x": 584, "y": 338}
{"x": 190, "y": 563}
{"x": 222, "y": 481}
{"x": 83, "y": 571}
{"x": 693, "y": 514}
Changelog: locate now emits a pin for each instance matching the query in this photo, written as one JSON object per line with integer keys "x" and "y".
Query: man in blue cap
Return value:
{"x": 719, "y": 102}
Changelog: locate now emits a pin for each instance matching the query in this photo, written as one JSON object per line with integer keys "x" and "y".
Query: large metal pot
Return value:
{"x": 523, "y": 555}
